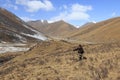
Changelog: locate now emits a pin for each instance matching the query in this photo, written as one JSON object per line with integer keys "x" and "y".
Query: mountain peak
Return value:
{"x": 61, "y": 21}
{"x": 45, "y": 22}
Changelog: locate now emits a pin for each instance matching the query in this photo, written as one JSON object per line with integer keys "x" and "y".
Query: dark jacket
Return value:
{"x": 79, "y": 49}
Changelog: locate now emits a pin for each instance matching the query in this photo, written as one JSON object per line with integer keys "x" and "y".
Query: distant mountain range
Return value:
{"x": 13, "y": 29}
{"x": 55, "y": 29}
{"x": 104, "y": 31}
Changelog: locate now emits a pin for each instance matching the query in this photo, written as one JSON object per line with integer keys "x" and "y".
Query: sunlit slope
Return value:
{"x": 105, "y": 31}
{"x": 57, "y": 61}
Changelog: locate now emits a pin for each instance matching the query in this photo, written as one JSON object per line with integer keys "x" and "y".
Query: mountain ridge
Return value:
{"x": 13, "y": 24}
{"x": 53, "y": 29}
{"x": 107, "y": 30}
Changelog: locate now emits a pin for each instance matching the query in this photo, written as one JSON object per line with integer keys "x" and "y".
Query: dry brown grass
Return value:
{"x": 104, "y": 31}
{"x": 55, "y": 60}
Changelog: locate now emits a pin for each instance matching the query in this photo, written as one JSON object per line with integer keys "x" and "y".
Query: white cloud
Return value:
{"x": 81, "y": 8}
{"x": 75, "y": 12}
{"x": 27, "y": 19}
{"x": 9, "y": 4}
{"x": 63, "y": 7}
{"x": 12, "y": 6}
{"x": 113, "y": 14}
{"x": 36, "y": 5}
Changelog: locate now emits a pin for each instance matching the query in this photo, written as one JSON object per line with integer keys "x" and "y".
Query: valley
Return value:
{"x": 38, "y": 50}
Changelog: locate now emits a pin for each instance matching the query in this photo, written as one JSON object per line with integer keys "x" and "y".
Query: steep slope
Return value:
{"x": 60, "y": 28}
{"x": 57, "y": 61}
{"x": 81, "y": 29}
{"x": 15, "y": 26}
{"x": 39, "y": 25}
{"x": 105, "y": 31}
{"x": 10, "y": 36}
{"x": 56, "y": 29}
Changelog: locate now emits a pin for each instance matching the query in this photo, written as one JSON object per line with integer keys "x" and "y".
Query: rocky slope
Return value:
{"x": 13, "y": 29}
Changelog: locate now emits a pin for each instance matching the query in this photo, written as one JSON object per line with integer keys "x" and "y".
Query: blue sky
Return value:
{"x": 76, "y": 12}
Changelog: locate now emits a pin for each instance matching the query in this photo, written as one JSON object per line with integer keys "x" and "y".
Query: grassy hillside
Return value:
{"x": 105, "y": 31}
{"x": 56, "y": 60}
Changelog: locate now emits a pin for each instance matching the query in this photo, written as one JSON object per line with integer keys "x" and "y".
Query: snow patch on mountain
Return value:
{"x": 94, "y": 22}
{"x": 15, "y": 47}
{"x": 5, "y": 44}
{"x": 22, "y": 39}
{"x": 12, "y": 49}
{"x": 38, "y": 35}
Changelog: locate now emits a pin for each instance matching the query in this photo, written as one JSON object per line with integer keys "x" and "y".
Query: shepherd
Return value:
{"x": 80, "y": 51}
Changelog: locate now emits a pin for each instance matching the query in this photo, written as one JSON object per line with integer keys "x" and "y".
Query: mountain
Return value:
{"x": 39, "y": 25}
{"x": 12, "y": 28}
{"x": 55, "y": 29}
{"x": 86, "y": 25}
{"x": 104, "y": 31}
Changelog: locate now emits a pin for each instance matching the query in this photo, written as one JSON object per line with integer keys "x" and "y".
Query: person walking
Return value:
{"x": 80, "y": 51}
